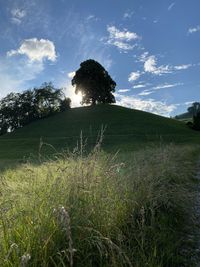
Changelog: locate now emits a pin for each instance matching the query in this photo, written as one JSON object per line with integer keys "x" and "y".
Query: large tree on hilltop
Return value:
{"x": 94, "y": 83}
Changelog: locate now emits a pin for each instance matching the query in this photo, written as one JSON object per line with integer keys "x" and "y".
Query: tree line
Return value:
{"x": 194, "y": 111}
{"x": 19, "y": 109}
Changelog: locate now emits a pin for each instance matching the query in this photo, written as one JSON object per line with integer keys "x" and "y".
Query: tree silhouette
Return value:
{"x": 94, "y": 82}
{"x": 19, "y": 109}
{"x": 196, "y": 121}
{"x": 194, "y": 109}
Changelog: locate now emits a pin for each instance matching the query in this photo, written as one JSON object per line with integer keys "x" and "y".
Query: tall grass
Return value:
{"x": 99, "y": 210}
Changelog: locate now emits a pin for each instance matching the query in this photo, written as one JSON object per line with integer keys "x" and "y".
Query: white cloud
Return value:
{"x": 71, "y": 74}
{"x": 121, "y": 45}
{"x": 17, "y": 15}
{"x": 121, "y": 39}
{"x": 144, "y": 57}
{"x": 128, "y": 15}
{"x": 92, "y": 18}
{"x": 145, "y": 92}
{"x": 150, "y": 65}
{"x": 164, "y": 86}
{"x": 121, "y": 35}
{"x": 183, "y": 67}
{"x": 138, "y": 86}
{"x": 149, "y": 105}
{"x": 123, "y": 90}
{"x": 189, "y": 102}
{"x": 158, "y": 87}
{"x": 193, "y": 30}
{"x": 16, "y": 74}
{"x": 134, "y": 76}
{"x": 36, "y": 50}
{"x": 171, "y": 6}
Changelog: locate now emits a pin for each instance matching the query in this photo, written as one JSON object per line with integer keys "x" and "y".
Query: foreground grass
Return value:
{"x": 127, "y": 210}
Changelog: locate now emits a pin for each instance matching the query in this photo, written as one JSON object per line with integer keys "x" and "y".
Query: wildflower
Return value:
{"x": 25, "y": 259}
{"x": 14, "y": 246}
{"x": 64, "y": 221}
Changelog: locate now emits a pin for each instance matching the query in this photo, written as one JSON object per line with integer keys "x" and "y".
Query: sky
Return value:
{"x": 149, "y": 47}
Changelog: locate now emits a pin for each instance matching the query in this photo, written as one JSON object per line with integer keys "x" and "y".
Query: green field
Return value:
{"x": 128, "y": 201}
{"x": 125, "y": 129}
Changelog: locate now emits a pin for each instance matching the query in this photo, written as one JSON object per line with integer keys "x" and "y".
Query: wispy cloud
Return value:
{"x": 138, "y": 86}
{"x": 189, "y": 102}
{"x": 92, "y": 18}
{"x": 87, "y": 41}
{"x": 171, "y": 6}
{"x": 124, "y": 35}
{"x": 150, "y": 65}
{"x": 134, "y": 76}
{"x": 149, "y": 105}
{"x": 15, "y": 75}
{"x": 123, "y": 90}
{"x": 71, "y": 74}
{"x": 128, "y": 14}
{"x": 164, "y": 86}
{"x": 194, "y": 29}
{"x": 17, "y": 15}
{"x": 146, "y": 92}
{"x": 183, "y": 67}
{"x": 121, "y": 39}
{"x": 36, "y": 50}
{"x": 158, "y": 87}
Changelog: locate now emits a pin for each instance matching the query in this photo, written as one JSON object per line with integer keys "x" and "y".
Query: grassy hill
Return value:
{"x": 126, "y": 129}
{"x": 184, "y": 116}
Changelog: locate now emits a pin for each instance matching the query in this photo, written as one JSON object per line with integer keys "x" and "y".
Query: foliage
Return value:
{"x": 94, "y": 82}
{"x": 196, "y": 121}
{"x": 99, "y": 210}
{"x": 194, "y": 109}
{"x": 19, "y": 109}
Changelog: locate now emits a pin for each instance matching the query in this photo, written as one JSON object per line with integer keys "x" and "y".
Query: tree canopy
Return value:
{"x": 94, "y": 83}
{"x": 196, "y": 121}
{"x": 19, "y": 109}
{"x": 194, "y": 109}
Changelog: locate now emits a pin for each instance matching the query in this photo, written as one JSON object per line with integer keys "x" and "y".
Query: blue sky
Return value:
{"x": 150, "y": 48}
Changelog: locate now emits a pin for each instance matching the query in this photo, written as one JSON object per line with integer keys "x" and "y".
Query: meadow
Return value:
{"x": 127, "y": 198}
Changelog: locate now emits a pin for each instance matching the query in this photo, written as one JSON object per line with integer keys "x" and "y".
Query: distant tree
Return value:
{"x": 65, "y": 104}
{"x": 19, "y": 109}
{"x": 94, "y": 82}
{"x": 196, "y": 121}
{"x": 194, "y": 109}
{"x": 47, "y": 100}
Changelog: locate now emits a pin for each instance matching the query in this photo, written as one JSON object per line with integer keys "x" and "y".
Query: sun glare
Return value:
{"x": 77, "y": 98}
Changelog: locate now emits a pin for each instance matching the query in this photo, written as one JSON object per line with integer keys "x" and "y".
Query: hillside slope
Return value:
{"x": 126, "y": 129}
{"x": 184, "y": 116}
